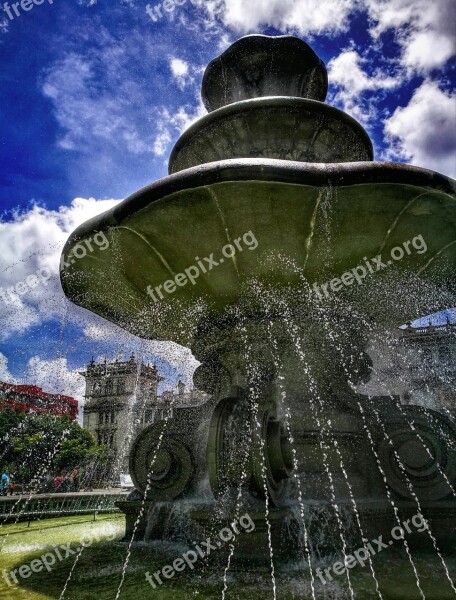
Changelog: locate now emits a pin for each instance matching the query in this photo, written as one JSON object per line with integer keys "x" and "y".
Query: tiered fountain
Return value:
{"x": 285, "y": 436}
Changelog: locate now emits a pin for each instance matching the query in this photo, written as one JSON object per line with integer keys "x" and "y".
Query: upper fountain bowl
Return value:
{"x": 265, "y": 100}
{"x": 260, "y": 65}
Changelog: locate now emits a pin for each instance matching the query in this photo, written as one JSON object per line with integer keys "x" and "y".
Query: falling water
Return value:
{"x": 410, "y": 421}
{"x": 402, "y": 467}
{"x": 142, "y": 508}
{"x": 278, "y": 367}
{"x": 254, "y": 402}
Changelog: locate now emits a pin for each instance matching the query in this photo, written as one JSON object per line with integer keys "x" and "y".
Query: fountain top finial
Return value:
{"x": 261, "y": 65}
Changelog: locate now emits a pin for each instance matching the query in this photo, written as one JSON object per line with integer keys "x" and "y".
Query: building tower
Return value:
{"x": 118, "y": 394}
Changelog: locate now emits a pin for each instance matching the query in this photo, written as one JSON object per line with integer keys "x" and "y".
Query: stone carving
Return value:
{"x": 421, "y": 460}
{"x": 160, "y": 465}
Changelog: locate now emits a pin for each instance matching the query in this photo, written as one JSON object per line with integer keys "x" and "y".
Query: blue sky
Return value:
{"x": 94, "y": 94}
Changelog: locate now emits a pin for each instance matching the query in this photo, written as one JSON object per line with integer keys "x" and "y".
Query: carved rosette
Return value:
{"x": 425, "y": 457}
{"x": 240, "y": 449}
{"x": 161, "y": 468}
{"x": 272, "y": 463}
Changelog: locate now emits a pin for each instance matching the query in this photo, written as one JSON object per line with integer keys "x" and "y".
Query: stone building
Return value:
{"x": 122, "y": 397}
{"x": 419, "y": 365}
{"x": 112, "y": 389}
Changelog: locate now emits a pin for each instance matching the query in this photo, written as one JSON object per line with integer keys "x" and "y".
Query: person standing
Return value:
{"x": 58, "y": 483}
{"x": 5, "y": 481}
{"x": 75, "y": 476}
{"x": 12, "y": 485}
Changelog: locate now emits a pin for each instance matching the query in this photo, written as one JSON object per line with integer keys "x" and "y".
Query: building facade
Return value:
{"x": 32, "y": 399}
{"x": 121, "y": 398}
{"x": 114, "y": 391}
{"x": 418, "y": 364}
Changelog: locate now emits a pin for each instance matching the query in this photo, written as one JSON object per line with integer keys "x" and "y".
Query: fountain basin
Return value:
{"x": 158, "y": 232}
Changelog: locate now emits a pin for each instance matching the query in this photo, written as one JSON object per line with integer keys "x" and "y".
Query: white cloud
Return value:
{"x": 162, "y": 141}
{"x": 346, "y": 71}
{"x": 54, "y": 377}
{"x": 179, "y": 67}
{"x": 81, "y": 105}
{"x": 348, "y": 76}
{"x": 186, "y": 74}
{"x": 180, "y": 71}
{"x": 424, "y": 131}
{"x": 302, "y": 16}
{"x": 5, "y": 374}
{"x": 31, "y": 244}
{"x": 168, "y": 124}
{"x": 424, "y": 30}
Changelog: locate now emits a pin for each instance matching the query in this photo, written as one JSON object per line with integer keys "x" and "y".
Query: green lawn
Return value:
{"x": 97, "y": 573}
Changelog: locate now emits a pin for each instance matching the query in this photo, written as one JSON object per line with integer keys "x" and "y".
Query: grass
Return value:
{"x": 97, "y": 573}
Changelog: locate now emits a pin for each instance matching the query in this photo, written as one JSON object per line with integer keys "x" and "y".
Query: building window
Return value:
{"x": 109, "y": 388}
{"x": 121, "y": 386}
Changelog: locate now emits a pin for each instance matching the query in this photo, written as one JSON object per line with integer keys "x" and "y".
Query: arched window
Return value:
{"x": 109, "y": 387}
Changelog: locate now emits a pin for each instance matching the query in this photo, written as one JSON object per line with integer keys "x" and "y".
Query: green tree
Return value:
{"x": 34, "y": 444}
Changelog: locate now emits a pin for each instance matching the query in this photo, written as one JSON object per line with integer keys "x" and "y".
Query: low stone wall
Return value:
{"x": 28, "y": 507}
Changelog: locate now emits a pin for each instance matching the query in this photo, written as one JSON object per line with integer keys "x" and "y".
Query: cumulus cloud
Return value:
{"x": 169, "y": 123}
{"x": 350, "y": 80}
{"x": 302, "y": 16}
{"x": 5, "y": 374}
{"x": 180, "y": 71}
{"x": 30, "y": 248}
{"x": 424, "y": 131}
{"x": 424, "y": 30}
{"x": 53, "y": 376}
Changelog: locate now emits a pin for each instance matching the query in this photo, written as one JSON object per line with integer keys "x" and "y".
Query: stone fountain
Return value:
{"x": 285, "y": 436}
